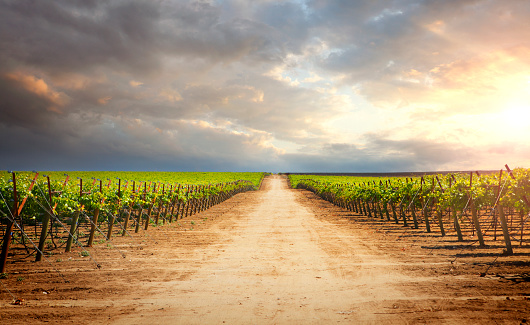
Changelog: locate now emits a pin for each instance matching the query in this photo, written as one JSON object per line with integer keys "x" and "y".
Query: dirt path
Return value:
{"x": 276, "y": 256}
{"x": 281, "y": 265}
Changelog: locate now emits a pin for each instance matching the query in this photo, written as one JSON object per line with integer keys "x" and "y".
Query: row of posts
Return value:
{"x": 378, "y": 207}
{"x": 173, "y": 210}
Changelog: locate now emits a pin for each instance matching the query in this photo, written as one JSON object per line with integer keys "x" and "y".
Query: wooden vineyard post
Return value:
{"x": 73, "y": 226}
{"x": 209, "y": 199}
{"x": 195, "y": 200}
{"x": 440, "y": 221}
{"x": 452, "y": 210}
{"x": 495, "y": 211}
{"x": 367, "y": 205}
{"x": 521, "y": 216}
{"x": 157, "y": 217}
{"x": 45, "y": 224}
{"x": 95, "y": 217}
{"x": 424, "y": 212}
{"x": 149, "y": 215}
{"x": 423, "y": 207}
{"x": 187, "y": 202}
{"x": 457, "y": 225}
{"x": 414, "y": 219}
{"x": 150, "y": 210}
{"x": 363, "y": 207}
{"x": 172, "y": 203}
{"x": 403, "y": 216}
{"x": 439, "y": 210}
{"x": 139, "y": 216}
{"x": 403, "y": 210}
{"x": 9, "y": 228}
{"x": 386, "y": 211}
{"x": 139, "y": 220}
{"x": 178, "y": 204}
{"x": 93, "y": 228}
{"x": 126, "y": 221}
{"x": 111, "y": 226}
{"x": 380, "y": 209}
{"x": 111, "y": 216}
{"x": 164, "y": 208}
{"x": 135, "y": 195}
{"x": 75, "y": 219}
{"x": 505, "y": 231}
{"x": 43, "y": 234}
{"x": 204, "y": 205}
{"x": 477, "y": 224}
{"x": 474, "y": 213}
{"x": 394, "y": 211}
{"x": 426, "y": 217}
{"x": 160, "y": 206}
{"x": 162, "y": 212}
{"x": 503, "y": 221}
{"x": 198, "y": 207}
{"x": 455, "y": 217}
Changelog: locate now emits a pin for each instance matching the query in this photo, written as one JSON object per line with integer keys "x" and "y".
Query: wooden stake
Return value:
{"x": 93, "y": 227}
{"x": 474, "y": 213}
{"x": 45, "y": 224}
{"x": 9, "y": 228}
{"x": 73, "y": 226}
{"x": 95, "y": 217}
{"x": 505, "y": 231}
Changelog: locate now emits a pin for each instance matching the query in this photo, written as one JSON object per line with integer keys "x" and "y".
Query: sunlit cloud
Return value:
{"x": 134, "y": 83}
{"x": 265, "y": 85}
{"x": 40, "y": 88}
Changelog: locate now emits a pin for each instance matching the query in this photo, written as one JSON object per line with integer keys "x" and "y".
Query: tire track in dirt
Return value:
{"x": 280, "y": 264}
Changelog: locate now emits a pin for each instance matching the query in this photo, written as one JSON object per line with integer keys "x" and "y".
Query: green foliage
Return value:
{"x": 110, "y": 193}
{"x": 457, "y": 190}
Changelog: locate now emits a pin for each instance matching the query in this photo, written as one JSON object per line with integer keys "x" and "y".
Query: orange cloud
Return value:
{"x": 104, "y": 100}
{"x": 437, "y": 27}
{"x": 40, "y": 88}
{"x": 170, "y": 95}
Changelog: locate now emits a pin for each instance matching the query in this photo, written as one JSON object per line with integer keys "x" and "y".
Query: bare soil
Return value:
{"x": 274, "y": 256}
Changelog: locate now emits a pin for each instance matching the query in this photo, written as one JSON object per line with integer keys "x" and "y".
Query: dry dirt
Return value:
{"x": 274, "y": 256}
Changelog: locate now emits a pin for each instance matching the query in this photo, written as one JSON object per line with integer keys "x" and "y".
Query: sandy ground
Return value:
{"x": 275, "y": 256}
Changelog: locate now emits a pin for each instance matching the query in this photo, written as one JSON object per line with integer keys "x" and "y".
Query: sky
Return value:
{"x": 264, "y": 85}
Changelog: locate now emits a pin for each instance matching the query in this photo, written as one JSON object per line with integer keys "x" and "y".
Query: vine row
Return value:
{"x": 42, "y": 213}
{"x": 473, "y": 206}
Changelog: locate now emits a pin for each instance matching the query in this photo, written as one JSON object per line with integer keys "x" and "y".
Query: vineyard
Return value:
{"x": 183, "y": 248}
{"x": 477, "y": 208}
{"x": 41, "y": 213}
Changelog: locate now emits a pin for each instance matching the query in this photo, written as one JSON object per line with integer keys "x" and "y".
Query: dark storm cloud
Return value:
{"x": 21, "y": 107}
{"x": 130, "y": 36}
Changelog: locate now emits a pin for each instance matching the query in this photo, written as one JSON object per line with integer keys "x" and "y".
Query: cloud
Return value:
{"x": 315, "y": 84}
